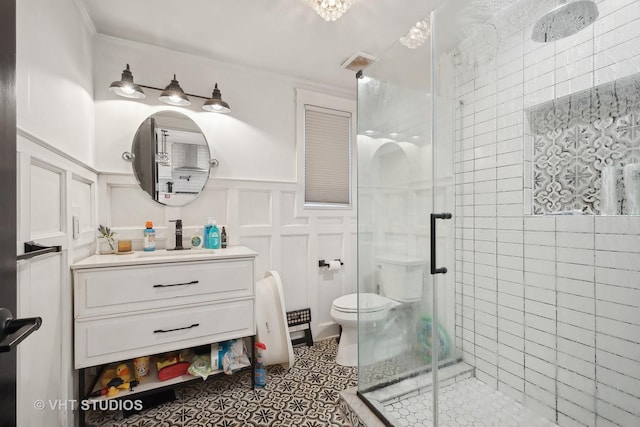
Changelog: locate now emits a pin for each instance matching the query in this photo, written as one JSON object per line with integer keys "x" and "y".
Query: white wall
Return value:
{"x": 54, "y": 76}
{"x": 256, "y": 140}
{"x": 255, "y": 192}
{"x": 547, "y": 308}
{"x": 55, "y": 118}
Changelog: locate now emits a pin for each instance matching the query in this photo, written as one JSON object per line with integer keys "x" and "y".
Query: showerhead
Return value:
{"x": 565, "y": 20}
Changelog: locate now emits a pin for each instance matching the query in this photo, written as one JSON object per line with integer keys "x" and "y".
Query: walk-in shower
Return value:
{"x": 482, "y": 160}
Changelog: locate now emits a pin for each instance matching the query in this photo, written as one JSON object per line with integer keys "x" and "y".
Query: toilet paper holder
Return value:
{"x": 323, "y": 263}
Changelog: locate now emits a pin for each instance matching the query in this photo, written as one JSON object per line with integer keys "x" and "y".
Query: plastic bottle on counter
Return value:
{"x": 149, "y": 238}
{"x": 214, "y": 236}
{"x": 206, "y": 239}
{"x": 223, "y": 238}
{"x": 261, "y": 373}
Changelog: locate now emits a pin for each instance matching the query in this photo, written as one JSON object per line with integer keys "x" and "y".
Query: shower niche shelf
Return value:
{"x": 573, "y": 138}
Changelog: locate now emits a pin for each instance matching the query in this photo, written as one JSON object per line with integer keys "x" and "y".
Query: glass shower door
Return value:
{"x": 405, "y": 174}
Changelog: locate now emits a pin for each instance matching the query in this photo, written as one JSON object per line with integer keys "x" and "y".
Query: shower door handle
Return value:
{"x": 434, "y": 216}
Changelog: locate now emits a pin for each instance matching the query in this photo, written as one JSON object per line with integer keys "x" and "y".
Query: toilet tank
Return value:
{"x": 400, "y": 277}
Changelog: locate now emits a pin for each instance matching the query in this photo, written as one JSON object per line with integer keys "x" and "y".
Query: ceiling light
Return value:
{"x": 330, "y": 10}
{"x": 417, "y": 35}
{"x": 174, "y": 95}
{"x": 215, "y": 104}
{"x": 126, "y": 87}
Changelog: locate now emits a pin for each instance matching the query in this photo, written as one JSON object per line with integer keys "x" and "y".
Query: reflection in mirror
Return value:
{"x": 171, "y": 160}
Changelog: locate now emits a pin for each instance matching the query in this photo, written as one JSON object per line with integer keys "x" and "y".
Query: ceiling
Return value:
{"x": 283, "y": 36}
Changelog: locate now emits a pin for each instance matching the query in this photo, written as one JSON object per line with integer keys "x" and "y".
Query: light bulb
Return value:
{"x": 127, "y": 89}
{"x": 174, "y": 98}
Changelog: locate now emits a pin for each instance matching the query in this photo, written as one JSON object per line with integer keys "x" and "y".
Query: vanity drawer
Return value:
{"x": 134, "y": 288}
{"x": 124, "y": 337}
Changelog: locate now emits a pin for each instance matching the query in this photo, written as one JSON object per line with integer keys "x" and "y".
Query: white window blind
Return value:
{"x": 327, "y": 156}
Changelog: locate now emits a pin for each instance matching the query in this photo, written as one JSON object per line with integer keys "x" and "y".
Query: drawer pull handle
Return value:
{"x": 193, "y": 282}
{"x": 162, "y": 331}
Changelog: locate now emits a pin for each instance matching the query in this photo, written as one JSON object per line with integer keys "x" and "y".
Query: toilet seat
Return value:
{"x": 369, "y": 303}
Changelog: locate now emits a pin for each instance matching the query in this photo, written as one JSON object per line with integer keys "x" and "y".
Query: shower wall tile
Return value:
{"x": 550, "y": 305}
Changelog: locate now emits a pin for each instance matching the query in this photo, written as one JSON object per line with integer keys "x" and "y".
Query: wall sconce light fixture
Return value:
{"x": 172, "y": 94}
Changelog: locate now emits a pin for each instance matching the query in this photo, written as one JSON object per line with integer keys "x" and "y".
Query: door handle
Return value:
{"x": 14, "y": 331}
{"x": 434, "y": 216}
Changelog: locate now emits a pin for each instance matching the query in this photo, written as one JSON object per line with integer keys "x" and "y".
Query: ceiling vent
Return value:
{"x": 358, "y": 61}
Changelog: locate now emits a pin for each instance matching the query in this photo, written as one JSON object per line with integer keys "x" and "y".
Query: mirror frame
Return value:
{"x": 180, "y": 178}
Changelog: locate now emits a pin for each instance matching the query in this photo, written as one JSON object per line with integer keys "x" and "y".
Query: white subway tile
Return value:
{"x": 575, "y": 256}
{"x": 575, "y": 302}
{"x": 508, "y": 261}
{"x": 511, "y": 301}
{"x": 510, "y": 385}
{"x": 575, "y": 287}
{"x": 513, "y": 223}
{"x": 540, "y": 252}
{"x": 618, "y": 364}
{"x": 615, "y": 414}
{"x": 510, "y": 145}
{"x": 544, "y": 238}
{"x": 545, "y": 339}
{"x": 576, "y": 333}
{"x": 623, "y": 15}
{"x": 516, "y": 316}
{"x": 576, "y": 372}
{"x": 539, "y": 294}
{"x": 618, "y": 381}
{"x": 514, "y": 249}
{"x": 532, "y": 376}
{"x": 619, "y": 224}
{"x": 574, "y": 84}
{"x": 515, "y": 341}
{"x": 576, "y": 318}
{"x": 617, "y": 311}
{"x": 618, "y": 242}
{"x": 539, "y": 223}
{"x": 575, "y": 271}
{"x": 540, "y": 310}
{"x": 618, "y": 329}
{"x": 620, "y": 260}
{"x": 538, "y": 280}
{"x": 576, "y": 349}
{"x": 539, "y": 266}
{"x": 620, "y": 347}
{"x": 575, "y": 240}
{"x": 618, "y": 294}
{"x": 613, "y": 276}
{"x": 579, "y": 415}
{"x": 584, "y": 398}
{"x": 619, "y": 399}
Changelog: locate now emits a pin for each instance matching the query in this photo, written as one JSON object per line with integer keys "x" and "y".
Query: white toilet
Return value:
{"x": 400, "y": 281}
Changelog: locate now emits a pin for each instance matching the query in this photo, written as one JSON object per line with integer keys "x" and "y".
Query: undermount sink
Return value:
{"x": 164, "y": 252}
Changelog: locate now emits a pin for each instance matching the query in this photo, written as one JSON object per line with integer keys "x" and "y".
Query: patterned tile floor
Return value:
{"x": 464, "y": 403}
{"x": 306, "y": 395}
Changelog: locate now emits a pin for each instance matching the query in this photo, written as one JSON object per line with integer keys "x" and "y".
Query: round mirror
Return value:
{"x": 170, "y": 158}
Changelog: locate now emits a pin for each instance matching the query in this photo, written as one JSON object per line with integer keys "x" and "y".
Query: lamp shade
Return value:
{"x": 126, "y": 87}
{"x": 174, "y": 95}
{"x": 215, "y": 104}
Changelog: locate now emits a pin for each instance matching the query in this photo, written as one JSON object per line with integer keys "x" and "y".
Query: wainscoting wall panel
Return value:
{"x": 52, "y": 188}
{"x": 262, "y": 215}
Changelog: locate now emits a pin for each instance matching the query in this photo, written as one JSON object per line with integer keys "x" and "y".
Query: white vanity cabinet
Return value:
{"x": 126, "y": 306}
{"x": 141, "y": 304}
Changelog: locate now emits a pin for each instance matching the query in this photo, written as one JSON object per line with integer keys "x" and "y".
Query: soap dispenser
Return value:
{"x": 206, "y": 239}
{"x": 214, "y": 236}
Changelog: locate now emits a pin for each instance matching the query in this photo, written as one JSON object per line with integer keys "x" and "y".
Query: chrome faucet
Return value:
{"x": 178, "y": 235}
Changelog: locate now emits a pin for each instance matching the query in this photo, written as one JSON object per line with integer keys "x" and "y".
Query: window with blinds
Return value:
{"x": 327, "y": 157}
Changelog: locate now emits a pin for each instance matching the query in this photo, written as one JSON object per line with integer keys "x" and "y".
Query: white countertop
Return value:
{"x": 162, "y": 256}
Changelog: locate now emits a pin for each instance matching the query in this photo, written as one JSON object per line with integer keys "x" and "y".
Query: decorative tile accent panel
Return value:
{"x": 575, "y": 137}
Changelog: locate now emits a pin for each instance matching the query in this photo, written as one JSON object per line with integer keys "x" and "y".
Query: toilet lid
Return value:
{"x": 368, "y": 303}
